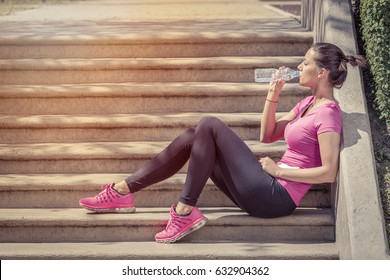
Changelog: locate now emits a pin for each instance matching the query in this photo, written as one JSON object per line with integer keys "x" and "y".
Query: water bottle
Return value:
{"x": 264, "y": 75}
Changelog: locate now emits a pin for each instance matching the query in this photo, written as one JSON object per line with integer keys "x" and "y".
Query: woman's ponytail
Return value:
{"x": 356, "y": 60}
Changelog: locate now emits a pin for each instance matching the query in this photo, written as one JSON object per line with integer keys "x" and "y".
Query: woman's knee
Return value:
{"x": 188, "y": 135}
{"x": 189, "y": 132}
{"x": 209, "y": 122}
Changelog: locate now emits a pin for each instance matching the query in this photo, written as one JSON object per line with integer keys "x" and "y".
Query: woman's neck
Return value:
{"x": 323, "y": 93}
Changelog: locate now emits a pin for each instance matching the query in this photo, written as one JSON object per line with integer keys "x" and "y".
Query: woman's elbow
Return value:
{"x": 334, "y": 176}
{"x": 330, "y": 176}
{"x": 264, "y": 139}
{"x": 331, "y": 179}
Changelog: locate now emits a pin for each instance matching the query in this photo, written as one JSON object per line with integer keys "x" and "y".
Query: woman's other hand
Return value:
{"x": 269, "y": 166}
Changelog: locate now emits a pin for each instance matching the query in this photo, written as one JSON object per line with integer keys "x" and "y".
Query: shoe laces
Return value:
{"x": 176, "y": 222}
{"x": 107, "y": 193}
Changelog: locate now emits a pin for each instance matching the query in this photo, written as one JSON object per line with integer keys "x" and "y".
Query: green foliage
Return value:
{"x": 372, "y": 27}
{"x": 375, "y": 20}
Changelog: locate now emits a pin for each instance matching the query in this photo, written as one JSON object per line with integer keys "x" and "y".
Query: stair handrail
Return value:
{"x": 307, "y": 14}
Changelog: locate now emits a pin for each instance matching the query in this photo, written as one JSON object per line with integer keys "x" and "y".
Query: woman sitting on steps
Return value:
{"x": 262, "y": 188}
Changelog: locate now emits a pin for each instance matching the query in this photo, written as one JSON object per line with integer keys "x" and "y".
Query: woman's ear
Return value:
{"x": 323, "y": 73}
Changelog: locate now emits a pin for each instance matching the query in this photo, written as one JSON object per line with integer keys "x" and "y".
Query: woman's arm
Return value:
{"x": 329, "y": 143}
{"x": 271, "y": 129}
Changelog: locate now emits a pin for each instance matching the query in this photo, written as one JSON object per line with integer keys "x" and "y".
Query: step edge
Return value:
{"x": 153, "y": 38}
{"x": 137, "y": 250}
{"x": 137, "y": 89}
{"x": 107, "y": 150}
{"x": 149, "y": 216}
{"x": 137, "y": 120}
{"x": 110, "y": 64}
{"x": 87, "y": 182}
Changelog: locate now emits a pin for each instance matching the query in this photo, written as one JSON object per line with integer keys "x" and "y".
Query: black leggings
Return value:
{"x": 215, "y": 151}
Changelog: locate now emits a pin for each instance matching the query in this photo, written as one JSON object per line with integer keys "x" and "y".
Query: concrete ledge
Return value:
{"x": 360, "y": 230}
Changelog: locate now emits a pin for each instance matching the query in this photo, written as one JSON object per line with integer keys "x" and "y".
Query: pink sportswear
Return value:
{"x": 301, "y": 135}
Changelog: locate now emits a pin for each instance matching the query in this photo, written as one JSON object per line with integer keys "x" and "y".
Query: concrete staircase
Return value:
{"x": 93, "y": 103}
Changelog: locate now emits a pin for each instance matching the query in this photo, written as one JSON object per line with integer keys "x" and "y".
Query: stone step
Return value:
{"x": 78, "y": 225}
{"x": 65, "y": 190}
{"x": 117, "y": 127}
{"x": 120, "y": 70}
{"x": 113, "y": 98}
{"x": 96, "y": 157}
{"x": 153, "y": 251}
{"x": 185, "y": 38}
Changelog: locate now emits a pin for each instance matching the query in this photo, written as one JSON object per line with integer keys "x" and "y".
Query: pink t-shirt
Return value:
{"x": 302, "y": 142}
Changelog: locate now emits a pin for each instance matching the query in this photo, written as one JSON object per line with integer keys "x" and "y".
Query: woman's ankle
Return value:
{"x": 183, "y": 209}
{"x": 122, "y": 188}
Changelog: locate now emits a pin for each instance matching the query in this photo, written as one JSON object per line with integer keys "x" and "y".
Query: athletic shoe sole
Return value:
{"x": 110, "y": 210}
{"x": 195, "y": 227}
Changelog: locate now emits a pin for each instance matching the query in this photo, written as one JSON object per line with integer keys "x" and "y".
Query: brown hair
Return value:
{"x": 333, "y": 59}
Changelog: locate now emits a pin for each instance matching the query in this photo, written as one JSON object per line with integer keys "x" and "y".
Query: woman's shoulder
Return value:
{"x": 332, "y": 106}
{"x": 329, "y": 115}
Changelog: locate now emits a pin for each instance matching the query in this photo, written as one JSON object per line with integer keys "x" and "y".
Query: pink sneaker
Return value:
{"x": 109, "y": 200}
{"x": 179, "y": 226}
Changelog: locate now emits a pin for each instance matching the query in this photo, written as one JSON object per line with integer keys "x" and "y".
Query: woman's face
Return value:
{"x": 309, "y": 71}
